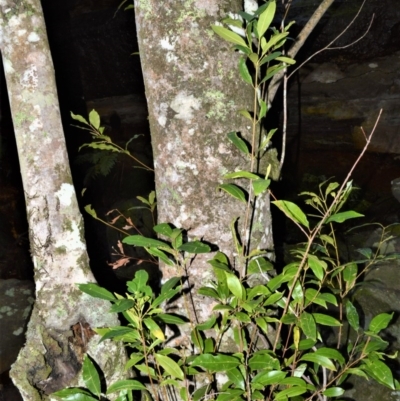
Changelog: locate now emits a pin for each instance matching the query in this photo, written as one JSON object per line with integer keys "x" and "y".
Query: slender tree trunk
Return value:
{"x": 59, "y": 331}
{"x": 194, "y": 94}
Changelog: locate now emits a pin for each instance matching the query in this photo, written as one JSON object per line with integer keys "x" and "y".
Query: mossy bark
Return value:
{"x": 52, "y": 356}
{"x": 194, "y": 93}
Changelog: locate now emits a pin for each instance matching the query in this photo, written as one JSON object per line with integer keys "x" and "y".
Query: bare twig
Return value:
{"x": 328, "y": 46}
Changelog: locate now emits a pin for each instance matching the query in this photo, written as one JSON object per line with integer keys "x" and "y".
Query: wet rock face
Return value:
{"x": 16, "y": 299}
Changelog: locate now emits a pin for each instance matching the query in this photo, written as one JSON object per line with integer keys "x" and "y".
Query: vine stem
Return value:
{"x": 315, "y": 231}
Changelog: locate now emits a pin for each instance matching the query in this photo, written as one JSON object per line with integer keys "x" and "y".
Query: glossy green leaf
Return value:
{"x": 134, "y": 358}
{"x": 208, "y": 324}
{"x": 139, "y": 240}
{"x": 161, "y": 255}
{"x": 100, "y": 146}
{"x": 308, "y": 325}
{"x": 216, "y": 363}
{"x": 200, "y": 393}
{"x": 122, "y": 305}
{"x": 195, "y": 247}
{"x": 259, "y": 265}
{"x": 236, "y": 377}
{"x": 74, "y": 394}
{"x": 319, "y": 359}
{"x": 209, "y": 292}
{"x": 263, "y": 109}
{"x": 126, "y": 334}
{"x": 244, "y": 71}
{"x": 317, "y": 266}
{"x": 286, "y": 60}
{"x": 238, "y": 142}
{"x": 91, "y": 211}
{"x": 170, "y": 284}
{"x": 79, "y": 118}
{"x": 326, "y": 320}
{"x": 265, "y": 19}
{"x": 170, "y": 319}
{"x": 95, "y": 291}
{"x": 246, "y": 114}
{"x": 260, "y": 185}
{"x": 165, "y": 296}
{"x": 154, "y": 328}
{"x": 343, "y": 216}
{"x": 352, "y": 315}
{"x": 94, "y": 119}
{"x": 380, "y": 322}
{"x": 263, "y": 360}
{"x": 333, "y": 392}
{"x": 290, "y": 393}
{"x": 228, "y": 35}
{"x": 292, "y": 211}
{"x": 163, "y": 229}
{"x": 331, "y": 353}
{"x": 125, "y": 385}
{"x": 234, "y": 285}
{"x": 241, "y": 174}
{"x": 234, "y": 191}
{"x": 170, "y": 366}
{"x": 269, "y": 378}
{"x": 379, "y": 371}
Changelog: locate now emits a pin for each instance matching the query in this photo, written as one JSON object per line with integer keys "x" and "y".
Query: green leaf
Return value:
{"x": 170, "y": 319}
{"x": 208, "y": 324}
{"x": 380, "y": 322}
{"x": 260, "y": 185}
{"x": 234, "y": 285}
{"x": 246, "y": 114}
{"x": 139, "y": 240}
{"x": 95, "y": 291}
{"x": 238, "y": 142}
{"x": 343, "y": 216}
{"x": 91, "y": 211}
{"x": 234, "y": 190}
{"x": 79, "y": 118}
{"x": 200, "y": 393}
{"x": 236, "y": 377}
{"x": 90, "y": 376}
{"x": 228, "y": 35}
{"x": 265, "y": 19}
{"x": 101, "y": 146}
{"x": 195, "y": 247}
{"x": 319, "y": 359}
{"x": 269, "y": 378}
{"x": 154, "y": 328}
{"x": 331, "y": 353}
{"x": 241, "y": 174}
{"x": 263, "y": 109}
{"x": 244, "y": 72}
{"x": 259, "y": 265}
{"x": 289, "y": 393}
{"x": 126, "y": 334}
{"x": 122, "y": 305}
{"x": 170, "y": 366}
{"x": 352, "y": 315}
{"x": 209, "y": 292}
{"x": 326, "y": 320}
{"x": 74, "y": 394}
{"x": 216, "y": 363}
{"x": 333, "y": 392}
{"x": 125, "y": 385}
{"x": 94, "y": 119}
{"x": 170, "y": 284}
{"x": 379, "y": 371}
{"x": 263, "y": 360}
{"x": 163, "y": 229}
{"x": 308, "y": 325}
{"x": 161, "y": 255}
{"x": 317, "y": 265}
{"x": 350, "y": 273}
{"x": 292, "y": 211}
{"x": 286, "y": 60}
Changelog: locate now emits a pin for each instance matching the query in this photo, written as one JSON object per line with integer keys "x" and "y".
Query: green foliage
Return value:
{"x": 276, "y": 319}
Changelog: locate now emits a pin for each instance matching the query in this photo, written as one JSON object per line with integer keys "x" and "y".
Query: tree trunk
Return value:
{"x": 59, "y": 331}
{"x": 194, "y": 93}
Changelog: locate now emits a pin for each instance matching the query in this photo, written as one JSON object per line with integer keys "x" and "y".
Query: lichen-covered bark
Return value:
{"x": 194, "y": 93}
{"x": 49, "y": 359}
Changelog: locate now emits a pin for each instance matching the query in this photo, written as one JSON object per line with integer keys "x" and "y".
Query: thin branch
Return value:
{"x": 328, "y": 46}
{"x": 301, "y": 38}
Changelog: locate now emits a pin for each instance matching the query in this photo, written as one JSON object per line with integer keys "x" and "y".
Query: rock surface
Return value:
{"x": 16, "y": 299}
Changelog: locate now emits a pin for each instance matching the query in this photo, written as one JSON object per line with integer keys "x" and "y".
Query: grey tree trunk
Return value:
{"x": 194, "y": 94}
{"x": 59, "y": 331}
